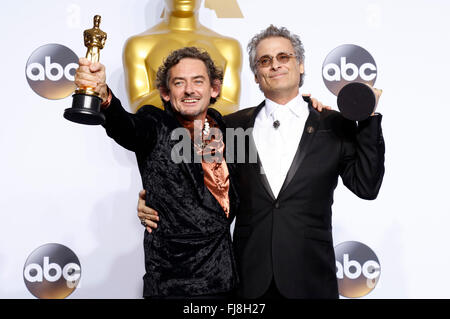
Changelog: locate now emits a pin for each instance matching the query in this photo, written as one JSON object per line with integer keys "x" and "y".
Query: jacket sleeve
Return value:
{"x": 132, "y": 131}
{"x": 362, "y": 157}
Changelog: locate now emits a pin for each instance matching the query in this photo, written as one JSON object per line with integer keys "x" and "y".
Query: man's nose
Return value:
{"x": 275, "y": 64}
{"x": 189, "y": 88}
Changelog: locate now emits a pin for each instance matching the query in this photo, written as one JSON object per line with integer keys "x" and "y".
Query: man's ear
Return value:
{"x": 302, "y": 68}
{"x": 215, "y": 88}
{"x": 256, "y": 79}
{"x": 164, "y": 93}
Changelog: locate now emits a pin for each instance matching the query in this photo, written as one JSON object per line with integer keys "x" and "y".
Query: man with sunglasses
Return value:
{"x": 283, "y": 232}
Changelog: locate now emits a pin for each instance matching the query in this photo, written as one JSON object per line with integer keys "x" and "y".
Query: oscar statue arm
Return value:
{"x": 231, "y": 88}
{"x": 139, "y": 83}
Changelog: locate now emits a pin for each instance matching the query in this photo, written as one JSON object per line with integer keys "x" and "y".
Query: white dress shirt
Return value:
{"x": 277, "y": 146}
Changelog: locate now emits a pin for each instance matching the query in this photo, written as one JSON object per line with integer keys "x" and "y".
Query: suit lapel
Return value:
{"x": 309, "y": 132}
{"x": 260, "y": 172}
{"x": 252, "y": 147}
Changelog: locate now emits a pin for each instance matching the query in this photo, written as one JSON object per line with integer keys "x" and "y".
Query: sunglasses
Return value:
{"x": 267, "y": 60}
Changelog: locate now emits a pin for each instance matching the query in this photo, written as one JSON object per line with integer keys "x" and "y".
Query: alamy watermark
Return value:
{"x": 239, "y": 148}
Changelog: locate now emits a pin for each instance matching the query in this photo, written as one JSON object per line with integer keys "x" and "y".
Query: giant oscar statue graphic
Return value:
{"x": 86, "y": 102}
{"x": 145, "y": 52}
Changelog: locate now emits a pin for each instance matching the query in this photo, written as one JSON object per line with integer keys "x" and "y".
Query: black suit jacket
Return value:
{"x": 289, "y": 238}
{"x": 190, "y": 253}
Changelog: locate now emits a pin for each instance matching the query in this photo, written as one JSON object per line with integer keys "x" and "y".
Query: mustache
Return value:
{"x": 276, "y": 74}
{"x": 191, "y": 96}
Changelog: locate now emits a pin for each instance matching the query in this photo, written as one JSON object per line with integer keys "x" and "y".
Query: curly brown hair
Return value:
{"x": 162, "y": 76}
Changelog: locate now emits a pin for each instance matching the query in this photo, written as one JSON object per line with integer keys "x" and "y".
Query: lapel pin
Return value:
{"x": 310, "y": 129}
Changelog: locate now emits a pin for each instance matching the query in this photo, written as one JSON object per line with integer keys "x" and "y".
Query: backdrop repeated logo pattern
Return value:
{"x": 357, "y": 269}
{"x": 348, "y": 63}
{"x": 50, "y": 71}
{"x": 52, "y": 271}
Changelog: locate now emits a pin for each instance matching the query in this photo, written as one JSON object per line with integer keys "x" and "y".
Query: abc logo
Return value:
{"x": 52, "y": 271}
{"x": 348, "y": 63}
{"x": 357, "y": 269}
{"x": 50, "y": 71}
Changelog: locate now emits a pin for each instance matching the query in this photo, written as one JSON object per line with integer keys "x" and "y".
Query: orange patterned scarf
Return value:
{"x": 216, "y": 174}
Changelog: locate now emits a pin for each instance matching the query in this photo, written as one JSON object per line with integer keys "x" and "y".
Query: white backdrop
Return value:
{"x": 70, "y": 184}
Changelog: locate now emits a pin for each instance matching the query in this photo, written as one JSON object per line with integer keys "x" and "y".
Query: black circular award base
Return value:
{"x": 356, "y": 101}
{"x": 85, "y": 110}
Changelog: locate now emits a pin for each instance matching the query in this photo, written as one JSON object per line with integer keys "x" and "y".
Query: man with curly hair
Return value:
{"x": 190, "y": 255}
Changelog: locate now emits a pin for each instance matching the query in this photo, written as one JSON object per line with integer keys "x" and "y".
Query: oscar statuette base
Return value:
{"x": 85, "y": 110}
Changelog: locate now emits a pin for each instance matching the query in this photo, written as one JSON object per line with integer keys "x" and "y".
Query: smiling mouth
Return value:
{"x": 274, "y": 76}
{"x": 190, "y": 100}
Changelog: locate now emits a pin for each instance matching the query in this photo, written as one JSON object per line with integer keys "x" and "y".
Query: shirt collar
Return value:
{"x": 296, "y": 106}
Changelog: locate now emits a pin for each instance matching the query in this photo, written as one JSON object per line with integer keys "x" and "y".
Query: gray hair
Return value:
{"x": 273, "y": 32}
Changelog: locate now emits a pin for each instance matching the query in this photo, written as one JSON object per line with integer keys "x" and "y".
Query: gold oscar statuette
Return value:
{"x": 144, "y": 53}
{"x": 86, "y": 102}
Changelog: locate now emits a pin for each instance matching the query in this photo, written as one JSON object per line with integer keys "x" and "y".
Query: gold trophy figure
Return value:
{"x": 86, "y": 102}
{"x": 144, "y": 53}
{"x": 94, "y": 40}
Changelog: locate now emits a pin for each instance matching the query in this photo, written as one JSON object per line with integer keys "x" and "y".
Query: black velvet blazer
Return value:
{"x": 190, "y": 253}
